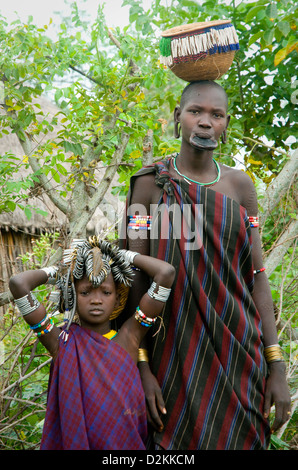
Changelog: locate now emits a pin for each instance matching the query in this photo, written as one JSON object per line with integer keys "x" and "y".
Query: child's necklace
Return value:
{"x": 193, "y": 181}
{"x": 110, "y": 334}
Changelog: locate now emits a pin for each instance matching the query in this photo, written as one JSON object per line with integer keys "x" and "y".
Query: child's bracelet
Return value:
{"x": 162, "y": 293}
{"x": 25, "y": 306}
{"x": 143, "y": 355}
{"x": 51, "y": 272}
{"x": 143, "y": 319}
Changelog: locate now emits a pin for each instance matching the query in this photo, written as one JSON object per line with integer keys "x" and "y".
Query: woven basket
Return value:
{"x": 199, "y": 51}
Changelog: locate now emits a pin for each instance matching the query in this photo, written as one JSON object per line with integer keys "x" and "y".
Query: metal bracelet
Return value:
{"x": 25, "y": 306}
{"x": 162, "y": 293}
{"x": 129, "y": 255}
{"x": 51, "y": 272}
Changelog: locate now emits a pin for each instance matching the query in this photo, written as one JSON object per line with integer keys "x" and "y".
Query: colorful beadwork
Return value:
{"x": 140, "y": 222}
{"x": 40, "y": 324}
{"x": 46, "y": 330}
{"x": 143, "y": 319}
{"x": 257, "y": 271}
{"x": 254, "y": 221}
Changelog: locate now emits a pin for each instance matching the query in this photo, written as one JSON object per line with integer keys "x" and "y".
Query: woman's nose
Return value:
{"x": 204, "y": 120}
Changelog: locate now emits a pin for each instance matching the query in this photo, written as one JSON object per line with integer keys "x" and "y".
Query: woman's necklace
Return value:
{"x": 197, "y": 182}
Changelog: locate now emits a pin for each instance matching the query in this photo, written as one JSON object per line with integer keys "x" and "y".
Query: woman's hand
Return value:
{"x": 154, "y": 399}
{"x": 277, "y": 392}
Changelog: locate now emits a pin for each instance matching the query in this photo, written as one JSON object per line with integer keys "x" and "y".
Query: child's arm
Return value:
{"x": 151, "y": 303}
{"x": 34, "y": 313}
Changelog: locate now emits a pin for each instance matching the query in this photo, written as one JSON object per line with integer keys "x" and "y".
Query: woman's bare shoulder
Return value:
{"x": 243, "y": 186}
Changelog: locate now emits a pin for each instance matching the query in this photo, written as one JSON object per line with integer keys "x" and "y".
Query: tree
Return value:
{"x": 116, "y": 107}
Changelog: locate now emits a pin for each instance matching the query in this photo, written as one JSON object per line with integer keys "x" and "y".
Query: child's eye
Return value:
{"x": 84, "y": 292}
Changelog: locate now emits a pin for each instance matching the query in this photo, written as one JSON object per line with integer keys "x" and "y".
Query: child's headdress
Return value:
{"x": 96, "y": 259}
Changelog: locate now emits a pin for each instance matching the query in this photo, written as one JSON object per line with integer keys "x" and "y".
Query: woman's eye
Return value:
{"x": 107, "y": 292}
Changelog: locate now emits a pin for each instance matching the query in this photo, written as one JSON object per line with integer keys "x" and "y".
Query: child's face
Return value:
{"x": 96, "y": 304}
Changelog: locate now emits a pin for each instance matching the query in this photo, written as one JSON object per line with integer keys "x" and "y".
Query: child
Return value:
{"x": 95, "y": 397}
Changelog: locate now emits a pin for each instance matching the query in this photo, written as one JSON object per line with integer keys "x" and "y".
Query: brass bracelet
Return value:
{"x": 143, "y": 355}
{"x": 273, "y": 353}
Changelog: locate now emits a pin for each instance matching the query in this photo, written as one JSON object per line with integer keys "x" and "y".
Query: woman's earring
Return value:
{"x": 224, "y": 137}
{"x": 177, "y": 130}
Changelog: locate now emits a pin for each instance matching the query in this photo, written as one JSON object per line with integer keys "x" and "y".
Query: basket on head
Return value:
{"x": 199, "y": 51}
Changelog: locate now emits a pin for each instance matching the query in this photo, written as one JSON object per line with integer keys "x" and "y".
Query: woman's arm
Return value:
{"x": 276, "y": 387}
{"x": 21, "y": 286}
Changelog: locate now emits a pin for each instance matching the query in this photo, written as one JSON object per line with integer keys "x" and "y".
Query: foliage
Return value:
{"x": 113, "y": 93}
{"x": 24, "y": 366}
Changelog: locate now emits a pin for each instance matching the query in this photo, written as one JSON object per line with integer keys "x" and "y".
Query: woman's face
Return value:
{"x": 203, "y": 116}
{"x": 96, "y": 304}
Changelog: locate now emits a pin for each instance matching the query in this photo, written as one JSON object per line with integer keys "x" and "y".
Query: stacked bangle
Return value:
{"x": 40, "y": 324}
{"x": 143, "y": 355}
{"x": 46, "y": 330}
{"x": 25, "y": 306}
{"x": 273, "y": 353}
{"x": 162, "y": 293}
{"x": 143, "y": 319}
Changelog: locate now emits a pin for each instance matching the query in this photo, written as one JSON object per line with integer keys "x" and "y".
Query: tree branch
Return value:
{"x": 281, "y": 247}
{"x": 279, "y": 186}
{"x": 51, "y": 192}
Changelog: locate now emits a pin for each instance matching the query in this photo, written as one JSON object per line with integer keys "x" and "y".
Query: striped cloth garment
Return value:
{"x": 95, "y": 399}
{"x": 208, "y": 358}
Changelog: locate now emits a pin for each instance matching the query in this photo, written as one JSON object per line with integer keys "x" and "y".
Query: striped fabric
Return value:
{"x": 95, "y": 400}
{"x": 209, "y": 358}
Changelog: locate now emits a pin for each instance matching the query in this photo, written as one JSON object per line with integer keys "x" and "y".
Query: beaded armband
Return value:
{"x": 25, "y": 306}
{"x": 257, "y": 271}
{"x": 140, "y": 222}
{"x": 254, "y": 221}
{"x": 143, "y": 319}
{"x": 162, "y": 293}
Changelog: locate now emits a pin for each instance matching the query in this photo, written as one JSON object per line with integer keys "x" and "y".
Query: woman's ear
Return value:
{"x": 177, "y": 126}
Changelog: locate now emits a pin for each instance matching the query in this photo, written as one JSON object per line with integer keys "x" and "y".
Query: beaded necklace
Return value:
{"x": 197, "y": 182}
{"x": 110, "y": 334}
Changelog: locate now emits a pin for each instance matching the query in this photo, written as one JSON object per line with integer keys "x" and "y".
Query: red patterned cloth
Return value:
{"x": 95, "y": 399}
{"x": 208, "y": 358}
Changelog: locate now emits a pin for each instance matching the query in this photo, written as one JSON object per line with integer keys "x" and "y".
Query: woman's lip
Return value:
{"x": 96, "y": 311}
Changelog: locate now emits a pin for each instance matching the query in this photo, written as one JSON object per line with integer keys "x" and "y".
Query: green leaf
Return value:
{"x": 253, "y": 12}
{"x": 28, "y": 212}
{"x": 271, "y": 10}
{"x": 284, "y": 27}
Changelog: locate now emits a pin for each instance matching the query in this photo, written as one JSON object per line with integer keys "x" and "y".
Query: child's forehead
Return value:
{"x": 109, "y": 281}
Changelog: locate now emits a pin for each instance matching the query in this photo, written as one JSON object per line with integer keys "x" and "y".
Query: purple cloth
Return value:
{"x": 95, "y": 399}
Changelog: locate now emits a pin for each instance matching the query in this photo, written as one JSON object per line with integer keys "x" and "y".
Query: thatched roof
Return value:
{"x": 55, "y": 220}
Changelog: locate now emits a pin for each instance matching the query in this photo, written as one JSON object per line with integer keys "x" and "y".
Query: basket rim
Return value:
{"x": 189, "y": 27}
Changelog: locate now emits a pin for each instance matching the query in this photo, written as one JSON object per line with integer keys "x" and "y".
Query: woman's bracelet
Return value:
{"x": 25, "y": 306}
{"x": 143, "y": 355}
{"x": 162, "y": 293}
{"x": 273, "y": 353}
